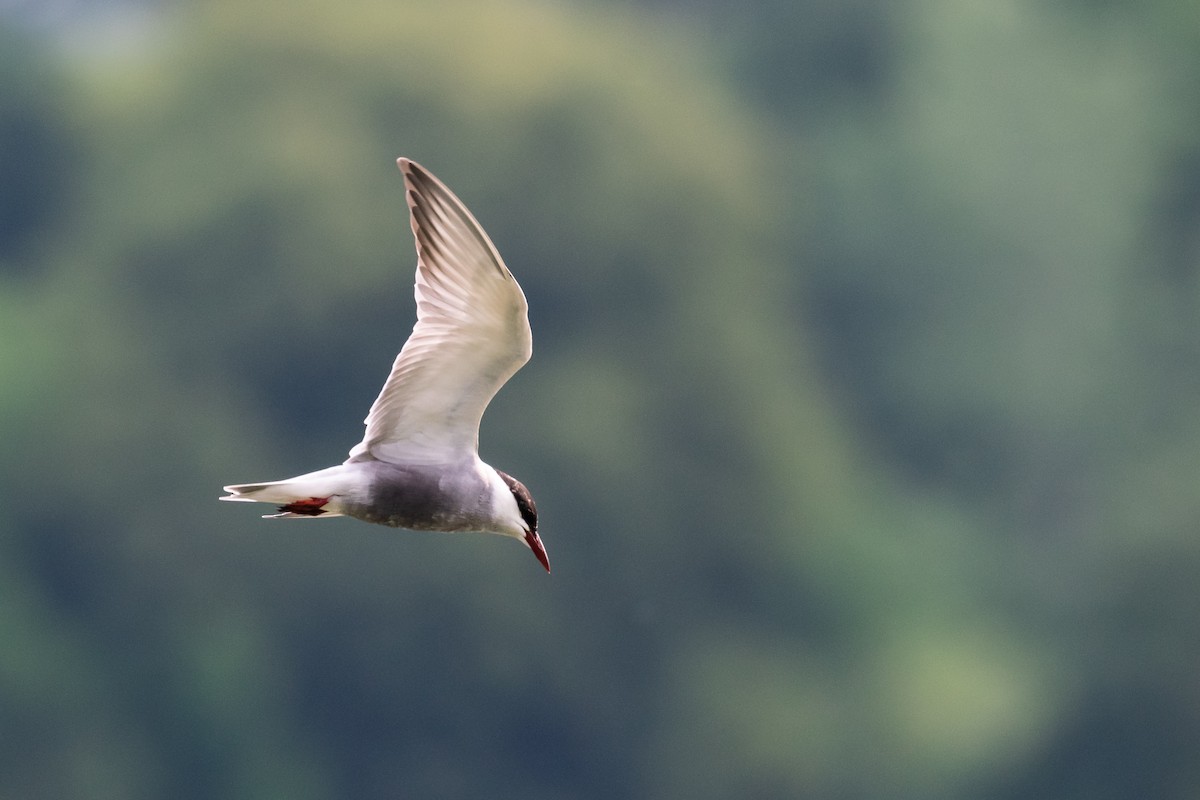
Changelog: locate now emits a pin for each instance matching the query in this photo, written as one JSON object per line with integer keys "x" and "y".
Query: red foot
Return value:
{"x": 312, "y": 507}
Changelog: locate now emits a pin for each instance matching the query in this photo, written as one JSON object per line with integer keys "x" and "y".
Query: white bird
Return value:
{"x": 418, "y": 465}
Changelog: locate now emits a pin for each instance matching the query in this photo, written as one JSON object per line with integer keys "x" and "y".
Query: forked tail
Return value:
{"x": 313, "y": 495}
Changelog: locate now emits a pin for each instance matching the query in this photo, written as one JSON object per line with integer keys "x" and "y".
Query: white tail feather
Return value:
{"x": 332, "y": 484}
{"x": 290, "y": 515}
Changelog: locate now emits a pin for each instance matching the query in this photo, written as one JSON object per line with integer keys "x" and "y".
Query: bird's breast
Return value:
{"x": 423, "y": 499}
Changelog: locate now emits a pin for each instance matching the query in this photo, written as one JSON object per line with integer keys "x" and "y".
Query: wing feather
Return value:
{"x": 472, "y": 334}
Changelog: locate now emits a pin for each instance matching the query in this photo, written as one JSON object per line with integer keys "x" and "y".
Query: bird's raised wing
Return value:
{"x": 472, "y": 334}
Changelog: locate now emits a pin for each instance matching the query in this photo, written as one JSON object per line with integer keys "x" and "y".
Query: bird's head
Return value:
{"x": 528, "y": 510}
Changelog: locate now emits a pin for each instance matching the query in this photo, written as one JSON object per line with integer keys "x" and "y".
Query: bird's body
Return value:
{"x": 418, "y": 467}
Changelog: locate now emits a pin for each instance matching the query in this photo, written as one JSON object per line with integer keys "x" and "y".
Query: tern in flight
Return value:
{"x": 418, "y": 465}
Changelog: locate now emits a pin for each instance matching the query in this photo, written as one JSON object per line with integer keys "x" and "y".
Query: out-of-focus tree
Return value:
{"x": 1000, "y": 273}
{"x": 1002, "y": 280}
{"x": 233, "y": 288}
{"x": 775, "y": 575}
{"x": 37, "y": 148}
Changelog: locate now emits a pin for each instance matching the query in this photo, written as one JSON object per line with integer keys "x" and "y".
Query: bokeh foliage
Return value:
{"x": 860, "y": 420}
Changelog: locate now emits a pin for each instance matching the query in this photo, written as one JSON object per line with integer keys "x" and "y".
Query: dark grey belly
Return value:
{"x": 424, "y": 499}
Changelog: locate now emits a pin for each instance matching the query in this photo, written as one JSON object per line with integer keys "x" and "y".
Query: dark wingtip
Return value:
{"x": 410, "y": 168}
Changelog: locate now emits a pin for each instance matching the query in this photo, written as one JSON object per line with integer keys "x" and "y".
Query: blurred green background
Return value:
{"x": 863, "y": 420}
